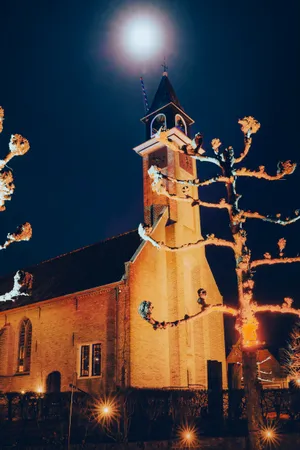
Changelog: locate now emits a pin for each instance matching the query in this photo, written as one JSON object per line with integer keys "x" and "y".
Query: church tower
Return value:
{"x": 171, "y": 280}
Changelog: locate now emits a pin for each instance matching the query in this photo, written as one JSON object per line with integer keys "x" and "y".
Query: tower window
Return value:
{"x": 90, "y": 360}
{"x": 180, "y": 123}
{"x": 24, "y": 352}
{"x": 156, "y": 123}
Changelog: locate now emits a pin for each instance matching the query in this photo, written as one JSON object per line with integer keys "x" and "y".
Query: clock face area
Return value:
{"x": 159, "y": 158}
{"x": 186, "y": 163}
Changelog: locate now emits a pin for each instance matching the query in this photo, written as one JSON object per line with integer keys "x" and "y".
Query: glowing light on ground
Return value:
{"x": 187, "y": 436}
{"x": 269, "y": 435}
{"x": 106, "y": 410}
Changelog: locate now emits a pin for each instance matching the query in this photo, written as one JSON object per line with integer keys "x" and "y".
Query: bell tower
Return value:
{"x": 170, "y": 280}
{"x": 167, "y": 113}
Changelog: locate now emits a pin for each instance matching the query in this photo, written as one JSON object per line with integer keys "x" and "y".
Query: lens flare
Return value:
{"x": 187, "y": 436}
{"x": 105, "y": 410}
{"x": 269, "y": 435}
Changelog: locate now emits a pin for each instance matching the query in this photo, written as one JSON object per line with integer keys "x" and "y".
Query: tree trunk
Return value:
{"x": 253, "y": 405}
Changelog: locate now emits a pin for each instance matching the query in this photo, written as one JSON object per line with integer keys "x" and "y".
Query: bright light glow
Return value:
{"x": 187, "y": 436}
{"x": 39, "y": 390}
{"x": 22, "y": 392}
{"x": 269, "y": 435}
{"x": 106, "y": 410}
{"x": 143, "y": 36}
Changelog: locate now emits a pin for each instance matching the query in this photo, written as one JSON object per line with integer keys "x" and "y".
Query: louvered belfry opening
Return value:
{"x": 24, "y": 353}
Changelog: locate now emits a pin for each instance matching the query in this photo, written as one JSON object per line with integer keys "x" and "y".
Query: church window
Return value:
{"x": 90, "y": 360}
{"x": 180, "y": 123}
{"x": 24, "y": 352}
{"x": 156, "y": 123}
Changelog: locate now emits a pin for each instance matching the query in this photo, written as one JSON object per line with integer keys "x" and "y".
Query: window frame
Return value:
{"x": 152, "y": 135}
{"x": 27, "y": 347}
{"x": 177, "y": 116}
{"x": 91, "y": 363}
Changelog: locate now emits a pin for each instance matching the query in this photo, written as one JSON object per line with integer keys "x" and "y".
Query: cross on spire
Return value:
{"x": 165, "y": 67}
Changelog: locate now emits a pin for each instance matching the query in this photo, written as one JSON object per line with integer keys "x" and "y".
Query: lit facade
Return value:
{"x": 81, "y": 325}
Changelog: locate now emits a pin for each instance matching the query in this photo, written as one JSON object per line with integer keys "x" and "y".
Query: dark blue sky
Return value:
{"x": 64, "y": 87}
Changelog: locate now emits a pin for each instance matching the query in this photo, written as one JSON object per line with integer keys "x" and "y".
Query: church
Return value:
{"x": 80, "y": 325}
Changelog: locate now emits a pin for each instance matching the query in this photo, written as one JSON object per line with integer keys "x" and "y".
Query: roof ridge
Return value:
{"x": 83, "y": 248}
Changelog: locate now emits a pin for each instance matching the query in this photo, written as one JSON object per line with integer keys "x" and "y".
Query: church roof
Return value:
{"x": 88, "y": 267}
{"x": 165, "y": 94}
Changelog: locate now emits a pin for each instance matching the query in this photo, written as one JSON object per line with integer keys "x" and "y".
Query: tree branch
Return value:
{"x": 22, "y": 280}
{"x": 247, "y": 146}
{"x": 23, "y": 233}
{"x": 7, "y": 188}
{"x": 145, "y": 232}
{"x": 271, "y": 261}
{"x": 278, "y": 221}
{"x": 162, "y": 137}
{"x": 284, "y": 168}
{"x": 156, "y": 173}
{"x": 160, "y": 189}
{"x": 249, "y": 126}
{"x": 145, "y": 311}
{"x": 285, "y": 308}
{"x": 18, "y": 145}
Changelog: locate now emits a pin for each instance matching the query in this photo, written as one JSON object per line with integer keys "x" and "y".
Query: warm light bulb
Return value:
{"x": 23, "y": 392}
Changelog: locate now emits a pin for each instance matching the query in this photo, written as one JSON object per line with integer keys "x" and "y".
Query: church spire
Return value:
{"x": 165, "y": 94}
{"x": 166, "y": 110}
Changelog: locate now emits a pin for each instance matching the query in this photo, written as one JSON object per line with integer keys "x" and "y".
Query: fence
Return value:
{"x": 141, "y": 415}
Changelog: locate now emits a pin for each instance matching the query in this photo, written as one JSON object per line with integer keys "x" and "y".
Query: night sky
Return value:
{"x": 67, "y": 84}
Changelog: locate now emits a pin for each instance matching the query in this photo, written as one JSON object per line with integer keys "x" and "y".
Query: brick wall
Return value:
{"x": 59, "y": 327}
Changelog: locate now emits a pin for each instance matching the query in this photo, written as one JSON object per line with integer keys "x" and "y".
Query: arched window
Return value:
{"x": 156, "y": 123}
{"x": 180, "y": 123}
{"x": 24, "y": 352}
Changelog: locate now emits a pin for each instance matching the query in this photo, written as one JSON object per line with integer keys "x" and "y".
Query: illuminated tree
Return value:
{"x": 246, "y": 321}
{"x": 292, "y": 356}
{"x": 18, "y": 146}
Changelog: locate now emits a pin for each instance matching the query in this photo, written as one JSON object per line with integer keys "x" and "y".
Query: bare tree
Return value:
{"x": 18, "y": 146}
{"x": 246, "y": 321}
{"x": 292, "y": 356}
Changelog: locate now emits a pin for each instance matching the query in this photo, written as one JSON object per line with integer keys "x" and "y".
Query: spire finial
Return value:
{"x": 165, "y": 67}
